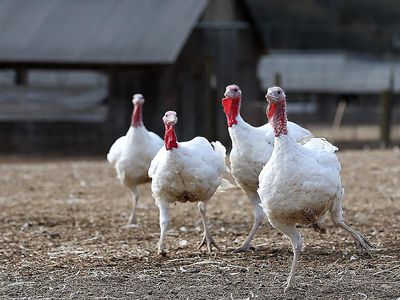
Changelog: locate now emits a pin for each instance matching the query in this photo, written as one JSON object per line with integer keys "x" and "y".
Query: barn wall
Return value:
{"x": 164, "y": 88}
{"x": 123, "y": 84}
{"x": 212, "y": 59}
{"x": 40, "y": 138}
{"x": 42, "y": 118}
{"x": 183, "y": 88}
{"x": 193, "y": 87}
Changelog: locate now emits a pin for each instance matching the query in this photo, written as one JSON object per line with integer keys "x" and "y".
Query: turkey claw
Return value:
{"x": 289, "y": 286}
{"x": 161, "y": 252}
{"x": 364, "y": 244}
{"x": 243, "y": 248}
{"x": 209, "y": 242}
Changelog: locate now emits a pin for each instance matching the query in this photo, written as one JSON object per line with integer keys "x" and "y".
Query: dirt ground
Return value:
{"x": 63, "y": 236}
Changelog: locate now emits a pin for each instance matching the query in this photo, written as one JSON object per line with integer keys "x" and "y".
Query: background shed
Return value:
{"x": 69, "y": 69}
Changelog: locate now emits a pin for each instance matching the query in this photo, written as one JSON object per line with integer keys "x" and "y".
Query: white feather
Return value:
{"x": 299, "y": 177}
{"x": 131, "y": 155}
{"x": 191, "y": 172}
{"x": 252, "y": 148}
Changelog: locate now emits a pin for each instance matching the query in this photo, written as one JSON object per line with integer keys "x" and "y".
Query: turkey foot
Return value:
{"x": 245, "y": 247}
{"x": 161, "y": 251}
{"x": 360, "y": 240}
{"x": 209, "y": 241}
{"x": 289, "y": 285}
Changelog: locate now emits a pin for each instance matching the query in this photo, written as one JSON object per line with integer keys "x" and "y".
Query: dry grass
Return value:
{"x": 63, "y": 236}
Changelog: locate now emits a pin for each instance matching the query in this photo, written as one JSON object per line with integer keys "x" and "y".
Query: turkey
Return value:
{"x": 131, "y": 154}
{"x": 251, "y": 149}
{"x": 300, "y": 183}
{"x": 188, "y": 171}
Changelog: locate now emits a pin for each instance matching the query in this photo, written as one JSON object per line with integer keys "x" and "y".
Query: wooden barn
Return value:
{"x": 68, "y": 69}
{"x": 353, "y": 100}
{"x": 318, "y": 83}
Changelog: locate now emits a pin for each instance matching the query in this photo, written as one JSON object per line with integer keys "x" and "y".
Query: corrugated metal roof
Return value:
{"x": 328, "y": 73}
{"x": 96, "y": 31}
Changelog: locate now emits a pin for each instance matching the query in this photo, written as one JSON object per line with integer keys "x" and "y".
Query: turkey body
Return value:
{"x": 185, "y": 172}
{"x": 300, "y": 183}
{"x": 251, "y": 150}
{"x": 132, "y": 153}
{"x": 191, "y": 172}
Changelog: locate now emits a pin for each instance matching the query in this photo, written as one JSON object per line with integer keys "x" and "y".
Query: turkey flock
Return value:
{"x": 288, "y": 175}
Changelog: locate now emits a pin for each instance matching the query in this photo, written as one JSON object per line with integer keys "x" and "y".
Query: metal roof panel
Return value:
{"x": 96, "y": 31}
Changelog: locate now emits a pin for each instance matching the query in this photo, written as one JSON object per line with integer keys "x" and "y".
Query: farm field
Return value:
{"x": 63, "y": 236}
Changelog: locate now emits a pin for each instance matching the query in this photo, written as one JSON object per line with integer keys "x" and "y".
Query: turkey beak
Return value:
{"x": 170, "y": 120}
{"x": 173, "y": 121}
{"x": 271, "y": 97}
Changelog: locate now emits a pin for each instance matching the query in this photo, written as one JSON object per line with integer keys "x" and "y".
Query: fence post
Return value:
{"x": 386, "y": 111}
{"x": 385, "y": 116}
{"x": 211, "y": 130}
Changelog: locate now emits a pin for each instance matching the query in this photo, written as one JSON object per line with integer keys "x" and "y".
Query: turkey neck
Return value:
{"x": 170, "y": 141}
{"x": 231, "y": 109}
{"x": 137, "y": 116}
{"x": 276, "y": 113}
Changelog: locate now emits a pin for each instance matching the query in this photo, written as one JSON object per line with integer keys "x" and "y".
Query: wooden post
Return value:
{"x": 385, "y": 116}
{"x": 386, "y": 110}
{"x": 212, "y": 132}
{"x": 212, "y": 103}
{"x": 21, "y": 76}
{"x": 337, "y": 121}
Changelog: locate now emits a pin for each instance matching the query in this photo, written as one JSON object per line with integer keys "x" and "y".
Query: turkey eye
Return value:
{"x": 235, "y": 90}
{"x": 279, "y": 92}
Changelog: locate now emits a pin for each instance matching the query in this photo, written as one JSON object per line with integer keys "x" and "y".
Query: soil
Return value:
{"x": 63, "y": 237}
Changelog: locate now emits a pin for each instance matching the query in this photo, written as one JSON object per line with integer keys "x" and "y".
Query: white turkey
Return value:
{"x": 251, "y": 149}
{"x": 300, "y": 183}
{"x": 187, "y": 171}
{"x": 131, "y": 154}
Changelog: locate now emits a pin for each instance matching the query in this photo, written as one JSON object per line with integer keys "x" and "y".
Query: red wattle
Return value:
{"x": 276, "y": 113}
{"x": 137, "y": 116}
{"x": 170, "y": 141}
{"x": 231, "y": 109}
{"x": 271, "y": 110}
